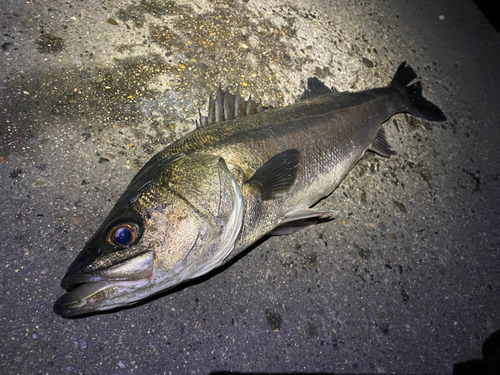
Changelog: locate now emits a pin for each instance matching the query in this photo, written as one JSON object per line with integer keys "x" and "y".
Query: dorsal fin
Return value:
{"x": 219, "y": 105}
{"x": 315, "y": 88}
{"x": 227, "y": 106}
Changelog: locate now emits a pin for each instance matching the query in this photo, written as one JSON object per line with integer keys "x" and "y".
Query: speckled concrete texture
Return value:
{"x": 404, "y": 280}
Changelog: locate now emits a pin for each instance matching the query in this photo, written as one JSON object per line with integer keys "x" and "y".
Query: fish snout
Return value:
{"x": 106, "y": 288}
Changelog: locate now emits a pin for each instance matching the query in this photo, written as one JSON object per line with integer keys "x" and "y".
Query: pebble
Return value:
{"x": 82, "y": 343}
{"x": 40, "y": 181}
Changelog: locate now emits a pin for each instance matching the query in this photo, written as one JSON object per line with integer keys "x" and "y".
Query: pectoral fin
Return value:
{"x": 278, "y": 175}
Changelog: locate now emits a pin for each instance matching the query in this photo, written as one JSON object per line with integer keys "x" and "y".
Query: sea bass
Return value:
{"x": 245, "y": 172}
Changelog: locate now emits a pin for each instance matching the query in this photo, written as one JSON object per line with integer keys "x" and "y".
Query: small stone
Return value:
{"x": 82, "y": 343}
{"x": 400, "y": 206}
{"x": 40, "y": 181}
{"x": 16, "y": 172}
{"x": 384, "y": 327}
{"x": 367, "y": 62}
{"x": 274, "y": 320}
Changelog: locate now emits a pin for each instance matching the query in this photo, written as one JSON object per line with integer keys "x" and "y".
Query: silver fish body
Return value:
{"x": 242, "y": 175}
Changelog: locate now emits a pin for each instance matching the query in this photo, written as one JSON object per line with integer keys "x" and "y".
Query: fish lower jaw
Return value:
{"x": 92, "y": 297}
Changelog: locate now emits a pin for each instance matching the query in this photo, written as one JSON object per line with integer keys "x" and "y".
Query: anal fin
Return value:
{"x": 381, "y": 146}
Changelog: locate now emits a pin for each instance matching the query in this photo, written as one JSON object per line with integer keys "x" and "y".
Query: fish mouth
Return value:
{"x": 117, "y": 286}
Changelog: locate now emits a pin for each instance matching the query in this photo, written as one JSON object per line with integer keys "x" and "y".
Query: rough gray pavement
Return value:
{"x": 404, "y": 280}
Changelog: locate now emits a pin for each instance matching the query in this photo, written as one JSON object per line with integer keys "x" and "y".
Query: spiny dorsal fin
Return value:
{"x": 211, "y": 109}
{"x": 219, "y": 105}
{"x": 381, "y": 146}
{"x": 315, "y": 88}
{"x": 227, "y": 106}
{"x": 278, "y": 175}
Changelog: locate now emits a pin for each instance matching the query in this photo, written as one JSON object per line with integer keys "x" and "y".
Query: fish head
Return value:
{"x": 178, "y": 219}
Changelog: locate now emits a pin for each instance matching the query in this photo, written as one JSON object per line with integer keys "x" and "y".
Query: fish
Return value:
{"x": 245, "y": 172}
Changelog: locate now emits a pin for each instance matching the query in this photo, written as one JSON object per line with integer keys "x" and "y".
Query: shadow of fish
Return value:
{"x": 245, "y": 172}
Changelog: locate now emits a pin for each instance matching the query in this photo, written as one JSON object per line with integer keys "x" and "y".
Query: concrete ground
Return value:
{"x": 404, "y": 280}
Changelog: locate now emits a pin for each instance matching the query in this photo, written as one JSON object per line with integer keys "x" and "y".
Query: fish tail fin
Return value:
{"x": 415, "y": 103}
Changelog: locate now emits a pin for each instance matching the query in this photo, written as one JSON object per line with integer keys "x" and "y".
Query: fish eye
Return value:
{"x": 123, "y": 235}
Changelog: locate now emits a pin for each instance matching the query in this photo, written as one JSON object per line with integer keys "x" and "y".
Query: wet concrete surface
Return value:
{"x": 404, "y": 280}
